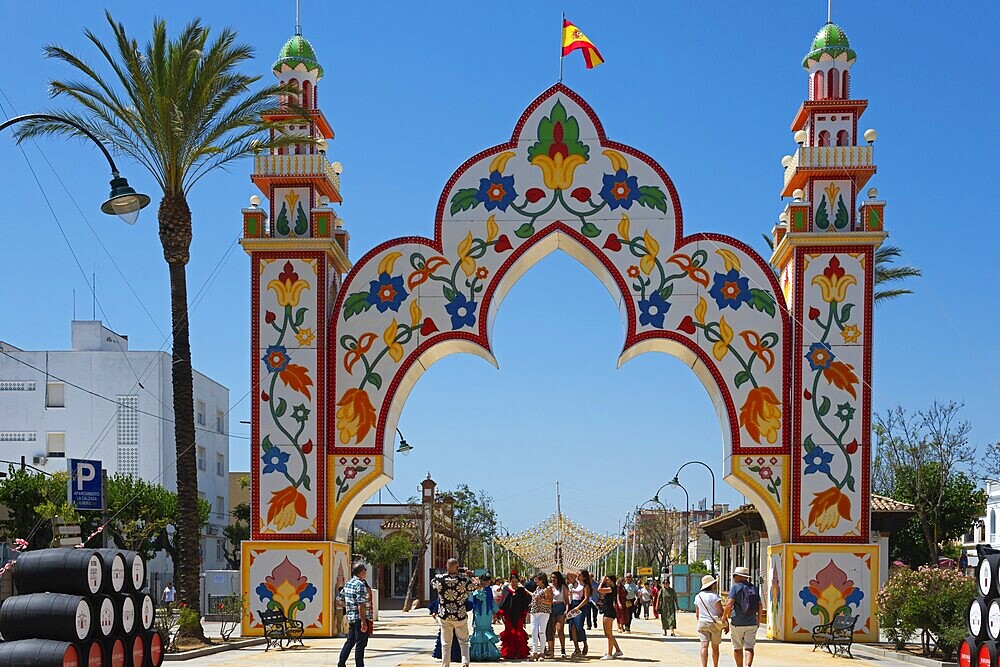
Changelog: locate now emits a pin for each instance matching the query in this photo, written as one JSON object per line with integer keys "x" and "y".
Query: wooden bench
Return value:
{"x": 278, "y": 628}
{"x": 837, "y": 635}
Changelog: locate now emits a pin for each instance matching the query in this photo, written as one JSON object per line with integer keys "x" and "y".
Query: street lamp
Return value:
{"x": 404, "y": 446}
{"x": 123, "y": 201}
{"x": 712, "y": 473}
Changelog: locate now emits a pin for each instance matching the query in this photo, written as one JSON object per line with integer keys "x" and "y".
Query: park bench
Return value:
{"x": 278, "y": 628}
{"x": 837, "y": 635}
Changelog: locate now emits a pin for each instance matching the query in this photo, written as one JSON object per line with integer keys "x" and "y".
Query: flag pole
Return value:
{"x": 561, "y": 22}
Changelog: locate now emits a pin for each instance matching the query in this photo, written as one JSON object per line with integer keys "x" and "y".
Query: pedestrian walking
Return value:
{"x": 666, "y": 601}
{"x": 453, "y": 589}
{"x": 358, "y": 609}
{"x": 580, "y": 588}
{"x": 744, "y": 610}
{"x": 646, "y": 597}
{"x": 708, "y": 611}
{"x": 483, "y": 642}
{"x": 610, "y": 605}
{"x": 655, "y": 590}
{"x": 541, "y": 609}
{"x": 631, "y": 595}
{"x": 169, "y": 595}
{"x": 557, "y": 619}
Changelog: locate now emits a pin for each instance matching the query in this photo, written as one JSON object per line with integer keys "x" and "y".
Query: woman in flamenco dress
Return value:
{"x": 513, "y": 612}
{"x": 483, "y": 642}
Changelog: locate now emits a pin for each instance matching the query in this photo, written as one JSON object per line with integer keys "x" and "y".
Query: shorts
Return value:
{"x": 744, "y": 637}
{"x": 710, "y": 633}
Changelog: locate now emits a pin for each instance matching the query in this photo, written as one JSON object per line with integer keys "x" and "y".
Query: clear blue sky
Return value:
{"x": 412, "y": 89}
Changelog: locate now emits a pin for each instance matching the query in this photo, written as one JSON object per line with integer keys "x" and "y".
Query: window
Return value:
{"x": 202, "y": 464}
{"x": 818, "y": 92}
{"x": 201, "y": 413}
{"x": 824, "y": 138}
{"x": 833, "y": 81}
{"x": 220, "y": 506}
{"x": 307, "y": 95}
{"x": 843, "y": 139}
{"x": 55, "y": 445}
{"x": 220, "y": 421}
{"x": 128, "y": 435}
{"x": 993, "y": 526}
{"x": 220, "y": 465}
{"x": 55, "y": 395}
{"x": 846, "y": 87}
{"x": 220, "y": 550}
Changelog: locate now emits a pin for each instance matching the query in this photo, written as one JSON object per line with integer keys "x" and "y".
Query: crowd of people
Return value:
{"x": 555, "y": 606}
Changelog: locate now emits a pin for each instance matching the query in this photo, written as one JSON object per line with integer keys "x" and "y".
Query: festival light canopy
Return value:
{"x": 559, "y": 543}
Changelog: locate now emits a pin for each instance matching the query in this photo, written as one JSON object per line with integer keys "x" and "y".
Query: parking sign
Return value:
{"x": 85, "y": 484}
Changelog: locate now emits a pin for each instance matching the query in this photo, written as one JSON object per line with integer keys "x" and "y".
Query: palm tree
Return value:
{"x": 886, "y": 274}
{"x": 180, "y": 108}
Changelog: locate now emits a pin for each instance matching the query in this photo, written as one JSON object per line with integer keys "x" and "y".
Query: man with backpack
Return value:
{"x": 743, "y": 611}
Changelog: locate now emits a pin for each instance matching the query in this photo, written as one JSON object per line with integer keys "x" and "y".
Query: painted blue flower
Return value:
{"x": 386, "y": 293}
{"x": 497, "y": 191}
{"x": 652, "y": 310}
{"x": 620, "y": 189}
{"x": 730, "y": 289}
{"x": 855, "y": 597}
{"x": 275, "y": 460}
{"x": 808, "y": 597}
{"x": 263, "y": 592}
{"x": 462, "y": 311}
{"x": 308, "y": 593}
{"x": 820, "y": 356}
{"x": 817, "y": 460}
{"x": 276, "y": 358}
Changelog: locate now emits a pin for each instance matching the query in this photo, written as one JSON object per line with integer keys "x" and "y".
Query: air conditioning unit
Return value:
{"x": 39, "y": 460}
{"x": 211, "y": 530}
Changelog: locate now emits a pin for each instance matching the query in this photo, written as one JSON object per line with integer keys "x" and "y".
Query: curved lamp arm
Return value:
{"x": 44, "y": 116}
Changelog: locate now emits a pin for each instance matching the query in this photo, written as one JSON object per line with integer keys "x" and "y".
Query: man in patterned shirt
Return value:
{"x": 358, "y": 609}
{"x": 453, "y": 589}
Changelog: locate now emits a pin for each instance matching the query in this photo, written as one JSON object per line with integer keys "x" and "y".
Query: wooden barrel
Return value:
{"x": 145, "y": 611}
{"x": 73, "y": 571}
{"x": 987, "y": 572}
{"x": 154, "y": 648}
{"x": 56, "y": 616}
{"x": 92, "y": 654}
{"x": 976, "y": 618}
{"x": 39, "y": 653}
{"x": 125, "y": 617}
{"x": 107, "y": 617}
{"x": 993, "y": 620}
{"x": 968, "y": 652}
{"x": 135, "y": 651}
{"x": 988, "y": 654}
{"x": 115, "y": 650}
{"x": 116, "y": 574}
{"x": 135, "y": 569}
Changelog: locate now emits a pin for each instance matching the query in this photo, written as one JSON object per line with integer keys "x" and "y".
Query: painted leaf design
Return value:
{"x": 623, "y": 227}
{"x": 648, "y": 261}
{"x": 729, "y": 259}
{"x": 416, "y": 314}
{"x": 721, "y": 347}
{"x": 842, "y": 376}
{"x": 389, "y": 336}
{"x": 468, "y": 264}
{"x": 297, "y": 379}
{"x": 388, "y": 262}
{"x": 500, "y": 161}
{"x": 492, "y": 229}
{"x": 700, "y": 310}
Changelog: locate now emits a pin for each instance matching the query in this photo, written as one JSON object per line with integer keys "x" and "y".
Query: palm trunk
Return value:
{"x": 175, "y": 236}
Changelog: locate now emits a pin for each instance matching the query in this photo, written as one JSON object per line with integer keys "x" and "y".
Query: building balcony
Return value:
{"x": 808, "y": 159}
{"x": 271, "y": 170}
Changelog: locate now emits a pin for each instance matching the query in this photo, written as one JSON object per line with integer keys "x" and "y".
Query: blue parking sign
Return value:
{"x": 85, "y": 484}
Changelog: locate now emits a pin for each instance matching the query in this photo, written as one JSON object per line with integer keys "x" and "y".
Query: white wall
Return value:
{"x": 93, "y": 428}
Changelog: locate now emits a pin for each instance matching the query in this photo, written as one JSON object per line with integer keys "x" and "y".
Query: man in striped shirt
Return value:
{"x": 358, "y": 609}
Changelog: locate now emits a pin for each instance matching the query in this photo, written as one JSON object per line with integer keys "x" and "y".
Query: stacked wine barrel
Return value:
{"x": 982, "y": 647}
{"x": 79, "y": 608}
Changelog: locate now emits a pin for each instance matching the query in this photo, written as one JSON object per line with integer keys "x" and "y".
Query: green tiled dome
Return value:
{"x": 298, "y": 51}
{"x": 831, "y": 39}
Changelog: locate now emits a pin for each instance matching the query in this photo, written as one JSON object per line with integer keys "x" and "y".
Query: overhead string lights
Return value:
{"x": 559, "y": 543}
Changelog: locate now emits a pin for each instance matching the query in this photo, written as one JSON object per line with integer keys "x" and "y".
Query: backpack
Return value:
{"x": 748, "y": 598}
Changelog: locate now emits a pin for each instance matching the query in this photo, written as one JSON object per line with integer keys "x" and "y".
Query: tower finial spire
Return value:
{"x": 298, "y": 21}
{"x": 829, "y": 11}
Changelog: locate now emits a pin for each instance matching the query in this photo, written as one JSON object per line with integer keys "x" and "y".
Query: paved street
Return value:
{"x": 406, "y": 640}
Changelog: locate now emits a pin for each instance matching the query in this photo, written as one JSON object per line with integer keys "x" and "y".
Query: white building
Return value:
{"x": 985, "y": 531}
{"x": 119, "y": 412}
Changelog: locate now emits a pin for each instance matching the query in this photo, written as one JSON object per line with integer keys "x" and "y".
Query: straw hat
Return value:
{"x": 742, "y": 572}
{"x": 707, "y": 581}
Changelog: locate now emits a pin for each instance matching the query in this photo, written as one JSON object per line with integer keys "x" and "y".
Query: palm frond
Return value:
{"x": 889, "y": 294}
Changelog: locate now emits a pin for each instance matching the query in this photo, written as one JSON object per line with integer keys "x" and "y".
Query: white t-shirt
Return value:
{"x": 168, "y": 594}
{"x": 706, "y": 604}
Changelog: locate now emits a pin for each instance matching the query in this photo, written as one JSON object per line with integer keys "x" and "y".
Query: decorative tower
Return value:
{"x": 824, "y": 247}
{"x": 298, "y": 255}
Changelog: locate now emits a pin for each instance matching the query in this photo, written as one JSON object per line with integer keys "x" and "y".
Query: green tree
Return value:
{"x": 382, "y": 552}
{"x": 475, "y": 520}
{"x": 888, "y": 274}
{"x": 32, "y": 500}
{"x": 181, "y": 108}
{"x": 925, "y": 458}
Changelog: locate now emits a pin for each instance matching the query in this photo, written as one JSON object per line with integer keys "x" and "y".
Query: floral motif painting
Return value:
{"x": 288, "y": 465}
{"x": 560, "y": 183}
{"x": 292, "y": 577}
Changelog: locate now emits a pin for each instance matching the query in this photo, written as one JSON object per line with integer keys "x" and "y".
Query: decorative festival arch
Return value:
{"x": 560, "y": 183}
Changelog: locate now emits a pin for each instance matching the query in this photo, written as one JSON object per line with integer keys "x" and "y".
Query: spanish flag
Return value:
{"x": 573, "y": 39}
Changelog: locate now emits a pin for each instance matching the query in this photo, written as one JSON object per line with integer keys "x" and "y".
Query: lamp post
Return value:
{"x": 404, "y": 447}
{"x": 123, "y": 201}
{"x": 712, "y": 473}
{"x": 687, "y": 504}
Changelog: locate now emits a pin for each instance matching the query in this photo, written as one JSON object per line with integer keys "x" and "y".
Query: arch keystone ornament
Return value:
{"x": 785, "y": 356}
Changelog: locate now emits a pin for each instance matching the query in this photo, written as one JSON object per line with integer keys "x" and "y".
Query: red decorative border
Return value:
{"x": 320, "y": 404}
{"x": 632, "y": 337}
{"x": 866, "y": 407}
